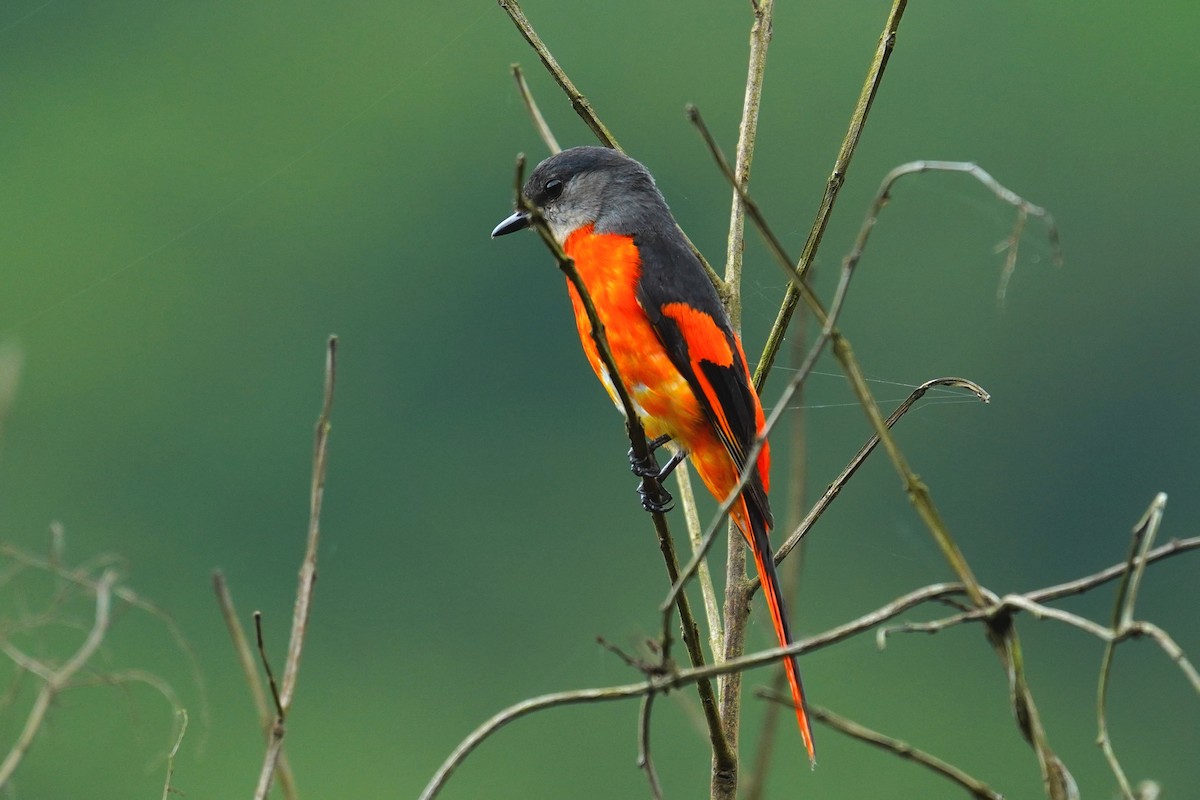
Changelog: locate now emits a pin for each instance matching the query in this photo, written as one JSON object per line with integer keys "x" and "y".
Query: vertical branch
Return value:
{"x": 308, "y": 578}
{"x": 724, "y": 782}
{"x": 760, "y": 38}
{"x": 691, "y": 516}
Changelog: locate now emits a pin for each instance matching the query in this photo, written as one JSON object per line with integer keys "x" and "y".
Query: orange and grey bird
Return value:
{"x": 677, "y": 354}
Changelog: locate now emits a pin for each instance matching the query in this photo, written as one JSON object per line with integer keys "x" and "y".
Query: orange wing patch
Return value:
{"x": 705, "y": 339}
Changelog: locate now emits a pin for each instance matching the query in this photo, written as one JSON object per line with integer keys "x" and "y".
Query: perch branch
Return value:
{"x": 724, "y": 782}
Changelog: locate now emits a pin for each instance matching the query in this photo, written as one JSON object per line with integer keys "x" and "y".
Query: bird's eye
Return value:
{"x": 554, "y": 188}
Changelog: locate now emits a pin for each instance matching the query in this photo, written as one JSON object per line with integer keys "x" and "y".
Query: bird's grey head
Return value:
{"x": 594, "y": 185}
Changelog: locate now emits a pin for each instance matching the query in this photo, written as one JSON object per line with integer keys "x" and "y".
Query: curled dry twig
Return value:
{"x": 54, "y": 681}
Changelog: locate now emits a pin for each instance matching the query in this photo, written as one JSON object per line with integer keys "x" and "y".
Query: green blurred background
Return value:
{"x": 194, "y": 195}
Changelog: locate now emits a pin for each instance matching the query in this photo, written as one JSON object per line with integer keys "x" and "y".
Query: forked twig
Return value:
{"x": 307, "y": 580}
{"x": 241, "y": 647}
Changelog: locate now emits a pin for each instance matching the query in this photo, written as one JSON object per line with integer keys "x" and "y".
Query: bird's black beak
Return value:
{"x": 518, "y": 221}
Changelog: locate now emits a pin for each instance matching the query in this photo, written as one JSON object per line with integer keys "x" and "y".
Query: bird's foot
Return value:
{"x": 655, "y": 498}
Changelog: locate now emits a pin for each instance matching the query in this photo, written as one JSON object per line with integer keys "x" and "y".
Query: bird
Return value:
{"x": 675, "y": 350}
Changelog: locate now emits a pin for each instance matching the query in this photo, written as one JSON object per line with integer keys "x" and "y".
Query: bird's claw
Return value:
{"x": 656, "y": 500}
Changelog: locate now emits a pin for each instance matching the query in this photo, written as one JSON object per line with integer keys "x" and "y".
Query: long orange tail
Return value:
{"x": 755, "y": 530}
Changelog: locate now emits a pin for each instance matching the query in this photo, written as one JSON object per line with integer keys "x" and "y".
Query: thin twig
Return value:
{"x": 1081, "y": 585}
{"x": 724, "y": 779}
{"x": 266, "y": 664}
{"x": 183, "y": 725}
{"x": 902, "y": 749}
{"x": 840, "y": 481}
{"x": 691, "y": 516}
{"x": 760, "y": 39}
{"x": 1024, "y": 208}
{"x": 535, "y": 113}
{"x": 644, "y": 760}
{"x": 308, "y": 577}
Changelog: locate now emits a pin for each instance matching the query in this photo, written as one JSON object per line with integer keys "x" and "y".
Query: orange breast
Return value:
{"x": 609, "y": 266}
{"x": 666, "y": 404}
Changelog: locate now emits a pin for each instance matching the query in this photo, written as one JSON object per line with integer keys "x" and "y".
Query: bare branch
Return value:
{"x": 1003, "y": 193}
{"x": 645, "y": 762}
{"x": 1081, "y": 585}
{"x": 760, "y": 39}
{"x": 665, "y": 681}
{"x": 280, "y": 713}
